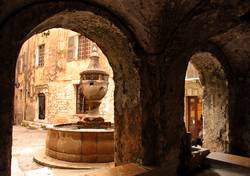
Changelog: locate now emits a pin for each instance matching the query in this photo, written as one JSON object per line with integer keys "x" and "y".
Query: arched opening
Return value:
{"x": 193, "y": 102}
{"x": 207, "y": 102}
{"x": 53, "y": 62}
{"x": 101, "y": 27}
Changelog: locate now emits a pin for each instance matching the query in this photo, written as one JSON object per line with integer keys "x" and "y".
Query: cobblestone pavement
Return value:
{"x": 26, "y": 142}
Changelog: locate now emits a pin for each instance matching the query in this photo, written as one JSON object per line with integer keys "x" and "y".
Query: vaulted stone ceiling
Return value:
{"x": 156, "y": 22}
{"x": 235, "y": 43}
{"x": 153, "y": 40}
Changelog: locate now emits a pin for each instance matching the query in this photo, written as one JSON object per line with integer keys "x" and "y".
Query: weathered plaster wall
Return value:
{"x": 57, "y": 79}
{"x": 215, "y": 102}
{"x": 235, "y": 44}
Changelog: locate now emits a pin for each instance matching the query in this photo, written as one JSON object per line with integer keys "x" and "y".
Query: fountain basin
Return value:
{"x": 68, "y": 143}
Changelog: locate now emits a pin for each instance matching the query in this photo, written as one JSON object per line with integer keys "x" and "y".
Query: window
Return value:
{"x": 41, "y": 106}
{"x": 84, "y": 47}
{"x": 41, "y": 52}
{"x": 72, "y": 41}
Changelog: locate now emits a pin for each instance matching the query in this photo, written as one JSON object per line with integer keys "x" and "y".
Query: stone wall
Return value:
{"x": 57, "y": 79}
{"x": 215, "y": 102}
{"x": 148, "y": 44}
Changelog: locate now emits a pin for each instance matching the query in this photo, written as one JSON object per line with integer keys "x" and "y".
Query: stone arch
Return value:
{"x": 114, "y": 40}
{"x": 215, "y": 101}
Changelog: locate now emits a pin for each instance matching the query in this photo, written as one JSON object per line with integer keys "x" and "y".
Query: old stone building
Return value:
{"x": 148, "y": 45}
{"x": 48, "y": 74}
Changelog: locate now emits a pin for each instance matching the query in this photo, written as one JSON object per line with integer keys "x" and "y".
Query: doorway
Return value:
{"x": 206, "y": 102}
{"x": 41, "y": 106}
{"x": 194, "y": 115}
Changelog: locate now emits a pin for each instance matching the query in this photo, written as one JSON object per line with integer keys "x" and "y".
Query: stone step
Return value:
{"x": 34, "y": 125}
{"x": 229, "y": 159}
{"x": 234, "y": 163}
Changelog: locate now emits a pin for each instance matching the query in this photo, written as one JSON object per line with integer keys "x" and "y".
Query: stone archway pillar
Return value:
{"x": 150, "y": 99}
{"x": 239, "y": 122}
{"x": 163, "y": 130}
{"x": 7, "y": 82}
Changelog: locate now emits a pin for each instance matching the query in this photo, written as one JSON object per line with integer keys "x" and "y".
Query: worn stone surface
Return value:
{"x": 215, "y": 101}
{"x": 235, "y": 44}
{"x": 28, "y": 142}
{"x": 148, "y": 45}
{"x": 229, "y": 160}
{"x": 93, "y": 146}
{"x": 121, "y": 57}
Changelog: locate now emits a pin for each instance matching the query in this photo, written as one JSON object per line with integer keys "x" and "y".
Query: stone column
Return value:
{"x": 239, "y": 123}
{"x": 150, "y": 98}
{"x": 171, "y": 148}
{"x": 163, "y": 130}
{"x": 7, "y": 80}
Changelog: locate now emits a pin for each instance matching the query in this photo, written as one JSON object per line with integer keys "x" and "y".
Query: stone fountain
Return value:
{"x": 94, "y": 86}
{"x": 91, "y": 139}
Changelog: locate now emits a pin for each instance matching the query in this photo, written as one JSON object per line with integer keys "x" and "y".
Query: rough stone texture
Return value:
{"x": 121, "y": 57}
{"x": 235, "y": 44}
{"x": 215, "y": 101}
{"x": 148, "y": 44}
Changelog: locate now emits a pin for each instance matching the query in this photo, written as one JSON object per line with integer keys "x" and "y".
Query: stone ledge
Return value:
{"x": 228, "y": 160}
{"x": 45, "y": 160}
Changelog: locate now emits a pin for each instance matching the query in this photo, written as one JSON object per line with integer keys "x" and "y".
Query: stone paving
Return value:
{"x": 26, "y": 142}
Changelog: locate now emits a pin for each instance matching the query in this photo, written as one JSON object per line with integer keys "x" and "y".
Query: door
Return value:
{"x": 41, "y": 104}
{"x": 192, "y": 114}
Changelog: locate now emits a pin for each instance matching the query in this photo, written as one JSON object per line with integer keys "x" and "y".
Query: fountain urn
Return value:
{"x": 94, "y": 86}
